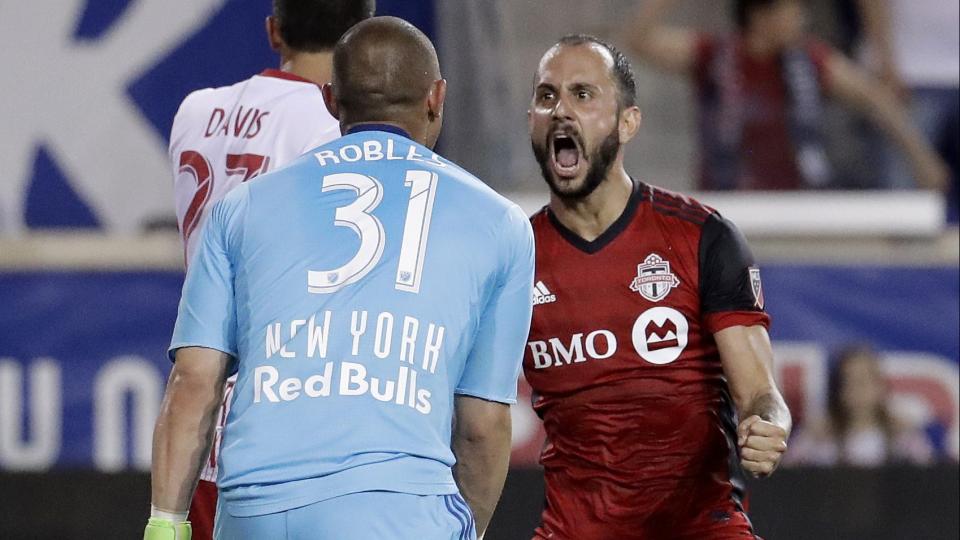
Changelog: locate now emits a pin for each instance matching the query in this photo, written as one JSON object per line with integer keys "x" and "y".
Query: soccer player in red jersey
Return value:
{"x": 649, "y": 338}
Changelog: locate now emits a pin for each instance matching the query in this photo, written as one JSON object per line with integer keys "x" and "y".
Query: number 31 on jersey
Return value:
{"x": 357, "y": 216}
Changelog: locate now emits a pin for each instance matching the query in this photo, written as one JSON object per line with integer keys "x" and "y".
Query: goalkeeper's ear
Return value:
{"x": 164, "y": 529}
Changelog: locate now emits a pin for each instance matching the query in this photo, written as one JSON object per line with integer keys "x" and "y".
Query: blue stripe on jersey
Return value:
{"x": 448, "y": 500}
{"x": 462, "y": 503}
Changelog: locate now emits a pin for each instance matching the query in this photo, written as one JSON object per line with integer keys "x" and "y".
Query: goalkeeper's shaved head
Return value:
{"x": 386, "y": 70}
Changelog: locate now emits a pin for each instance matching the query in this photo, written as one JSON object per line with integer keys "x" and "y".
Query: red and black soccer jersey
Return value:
{"x": 641, "y": 435}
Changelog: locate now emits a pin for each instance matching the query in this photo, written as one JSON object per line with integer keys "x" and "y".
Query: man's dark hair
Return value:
{"x": 622, "y": 71}
{"x": 316, "y": 25}
{"x": 383, "y": 68}
{"x": 743, "y": 9}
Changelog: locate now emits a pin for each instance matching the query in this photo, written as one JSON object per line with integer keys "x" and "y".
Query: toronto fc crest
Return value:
{"x": 654, "y": 279}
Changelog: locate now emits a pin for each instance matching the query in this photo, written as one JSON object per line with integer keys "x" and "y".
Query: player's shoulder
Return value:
{"x": 673, "y": 205}
{"x": 473, "y": 199}
{"x": 256, "y": 89}
{"x": 458, "y": 182}
{"x": 280, "y": 93}
{"x": 189, "y": 108}
{"x": 300, "y": 168}
{"x": 472, "y": 183}
{"x": 197, "y": 105}
{"x": 202, "y": 97}
{"x": 234, "y": 201}
{"x": 540, "y": 218}
{"x": 228, "y": 216}
{"x": 483, "y": 198}
{"x": 693, "y": 216}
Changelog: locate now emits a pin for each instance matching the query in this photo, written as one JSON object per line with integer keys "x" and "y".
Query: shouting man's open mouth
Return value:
{"x": 566, "y": 154}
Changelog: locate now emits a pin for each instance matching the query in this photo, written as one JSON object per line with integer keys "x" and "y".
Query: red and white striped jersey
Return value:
{"x": 224, "y": 136}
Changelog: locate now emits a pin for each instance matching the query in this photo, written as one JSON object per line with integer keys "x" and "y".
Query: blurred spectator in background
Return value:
{"x": 914, "y": 46}
{"x": 761, "y": 93}
{"x": 860, "y": 429}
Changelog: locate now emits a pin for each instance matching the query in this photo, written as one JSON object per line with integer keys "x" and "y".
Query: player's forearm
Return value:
{"x": 770, "y": 406}
{"x": 480, "y": 471}
{"x": 876, "y": 19}
{"x": 481, "y": 468}
{"x": 893, "y": 120}
{"x": 883, "y": 108}
{"x": 181, "y": 439}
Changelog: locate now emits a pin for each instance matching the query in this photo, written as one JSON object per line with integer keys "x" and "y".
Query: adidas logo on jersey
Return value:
{"x": 542, "y": 295}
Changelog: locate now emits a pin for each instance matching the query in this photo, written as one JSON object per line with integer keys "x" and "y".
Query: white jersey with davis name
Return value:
{"x": 359, "y": 289}
{"x": 222, "y": 137}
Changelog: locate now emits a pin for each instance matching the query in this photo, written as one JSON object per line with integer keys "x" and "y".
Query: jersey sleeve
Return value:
{"x": 185, "y": 119}
{"x": 731, "y": 293}
{"x": 493, "y": 365}
{"x": 207, "y": 314}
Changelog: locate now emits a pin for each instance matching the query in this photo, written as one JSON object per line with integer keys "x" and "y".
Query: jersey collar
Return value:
{"x": 285, "y": 75}
{"x": 378, "y": 127}
{"x": 609, "y": 235}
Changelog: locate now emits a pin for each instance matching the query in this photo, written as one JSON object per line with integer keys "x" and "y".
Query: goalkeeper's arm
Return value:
{"x": 182, "y": 437}
{"x": 481, "y": 444}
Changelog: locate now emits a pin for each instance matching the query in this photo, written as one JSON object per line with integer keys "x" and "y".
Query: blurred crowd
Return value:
{"x": 788, "y": 94}
{"x": 860, "y": 428}
{"x": 767, "y": 93}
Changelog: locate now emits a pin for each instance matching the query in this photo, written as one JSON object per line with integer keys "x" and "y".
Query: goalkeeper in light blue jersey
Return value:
{"x": 374, "y": 300}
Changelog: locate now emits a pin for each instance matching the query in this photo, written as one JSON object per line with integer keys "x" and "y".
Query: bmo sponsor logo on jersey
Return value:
{"x": 660, "y": 334}
{"x": 597, "y": 345}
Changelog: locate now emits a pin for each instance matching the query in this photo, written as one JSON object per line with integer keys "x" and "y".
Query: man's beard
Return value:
{"x": 600, "y": 160}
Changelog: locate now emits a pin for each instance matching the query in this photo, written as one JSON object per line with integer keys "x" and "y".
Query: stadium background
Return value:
{"x": 90, "y": 268}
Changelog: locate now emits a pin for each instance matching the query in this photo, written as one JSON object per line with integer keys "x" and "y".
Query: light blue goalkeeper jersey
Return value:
{"x": 358, "y": 290}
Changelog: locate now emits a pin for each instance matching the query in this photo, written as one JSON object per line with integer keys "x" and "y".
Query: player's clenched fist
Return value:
{"x": 762, "y": 445}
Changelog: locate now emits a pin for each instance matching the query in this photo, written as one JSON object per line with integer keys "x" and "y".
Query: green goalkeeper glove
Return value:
{"x": 164, "y": 529}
